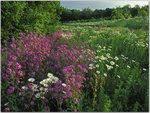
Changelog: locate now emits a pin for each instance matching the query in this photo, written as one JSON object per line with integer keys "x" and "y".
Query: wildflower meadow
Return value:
{"x": 47, "y": 65}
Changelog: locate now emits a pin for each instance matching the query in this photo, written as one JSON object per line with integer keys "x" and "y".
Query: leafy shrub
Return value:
{"x": 31, "y": 16}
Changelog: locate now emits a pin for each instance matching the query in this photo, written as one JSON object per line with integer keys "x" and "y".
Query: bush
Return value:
{"x": 23, "y": 16}
{"x": 25, "y": 64}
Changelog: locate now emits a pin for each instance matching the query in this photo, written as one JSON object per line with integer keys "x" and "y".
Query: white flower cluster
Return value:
{"x": 91, "y": 66}
{"x": 40, "y": 91}
{"x": 45, "y": 82}
{"x": 108, "y": 55}
{"x": 141, "y": 44}
{"x": 103, "y": 58}
{"x": 50, "y": 79}
{"x": 116, "y": 58}
{"x": 109, "y": 67}
{"x": 34, "y": 87}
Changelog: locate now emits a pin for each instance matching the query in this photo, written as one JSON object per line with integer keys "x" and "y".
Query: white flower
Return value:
{"x": 88, "y": 50}
{"x": 99, "y": 46}
{"x": 109, "y": 67}
{"x": 94, "y": 67}
{"x": 96, "y": 57}
{"x": 63, "y": 84}
{"x": 48, "y": 79}
{"x": 98, "y": 72}
{"x": 122, "y": 55}
{"x": 97, "y": 65}
{"x": 90, "y": 68}
{"x": 117, "y": 65}
{"x": 103, "y": 58}
{"x": 54, "y": 79}
{"x": 46, "y": 89}
{"x": 31, "y": 80}
{"x": 100, "y": 61}
{"x": 108, "y": 55}
{"x": 123, "y": 58}
{"x": 38, "y": 95}
{"x": 81, "y": 56}
{"x": 41, "y": 82}
{"x": 128, "y": 66}
{"x": 112, "y": 62}
{"x": 105, "y": 74}
{"x": 50, "y": 75}
{"x": 91, "y": 65}
{"x": 41, "y": 89}
{"x": 98, "y": 51}
{"x": 34, "y": 87}
{"x": 144, "y": 69}
{"x": 45, "y": 81}
{"x": 116, "y": 58}
{"x": 109, "y": 49}
{"x": 118, "y": 76}
{"x": 46, "y": 85}
{"x": 24, "y": 88}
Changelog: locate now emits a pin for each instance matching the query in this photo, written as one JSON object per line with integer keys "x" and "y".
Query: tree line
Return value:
{"x": 124, "y": 12}
{"x": 44, "y": 16}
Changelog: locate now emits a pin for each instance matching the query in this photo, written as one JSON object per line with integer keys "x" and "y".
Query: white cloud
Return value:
{"x": 101, "y": 4}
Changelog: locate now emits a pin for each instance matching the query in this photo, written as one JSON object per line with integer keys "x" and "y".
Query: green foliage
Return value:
{"x": 125, "y": 87}
{"x": 124, "y": 12}
{"x": 32, "y": 16}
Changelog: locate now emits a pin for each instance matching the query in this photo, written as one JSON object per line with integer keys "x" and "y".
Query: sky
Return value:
{"x": 100, "y": 4}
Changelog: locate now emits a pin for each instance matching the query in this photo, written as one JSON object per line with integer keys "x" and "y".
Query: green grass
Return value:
{"x": 125, "y": 88}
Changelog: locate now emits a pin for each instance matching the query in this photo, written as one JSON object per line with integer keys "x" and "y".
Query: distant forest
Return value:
{"x": 44, "y": 17}
{"x": 124, "y": 12}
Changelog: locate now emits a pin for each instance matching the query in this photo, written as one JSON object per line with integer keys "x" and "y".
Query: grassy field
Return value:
{"x": 118, "y": 80}
{"x": 90, "y": 66}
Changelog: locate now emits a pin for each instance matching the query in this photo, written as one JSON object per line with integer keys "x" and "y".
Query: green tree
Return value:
{"x": 29, "y": 16}
{"x": 143, "y": 11}
{"x": 86, "y": 13}
{"x": 117, "y": 13}
{"x": 126, "y": 11}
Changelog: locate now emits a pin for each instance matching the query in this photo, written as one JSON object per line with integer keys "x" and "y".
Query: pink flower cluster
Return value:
{"x": 36, "y": 55}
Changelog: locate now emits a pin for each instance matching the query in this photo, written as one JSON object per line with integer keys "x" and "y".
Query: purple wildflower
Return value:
{"x": 10, "y": 90}
{"x": 5, "y": 76}
{"x": 17, "y": 66}
{"x": 7, "y": 109}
